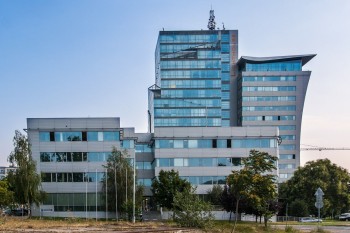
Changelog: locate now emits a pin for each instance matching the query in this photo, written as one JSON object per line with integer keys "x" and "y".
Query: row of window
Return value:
{"x": 285, "y": 175}
{"x": 287, "y": 127}
{"x": 143, "y": 148}
{"x": 215, "y": 143}
{"x": 268, "y": 78}
{"x": 75, "y": 201}
{"x": 82, "y": 177}
{"x": 268, "y": 98}
{"x": 79, "y": 136}
{"x": 72, "y": 177}
{"x": 287, "y": 156}
{"x": 144, "y": 165}
{"x": 170, "y": 74}
{"x": 191, "y": 83}
{"x": 286, "y": 166}
{"x": 287, "y": 137}
{"x": 193, "y": 64}
{"x": 268, "y": 108}
{"x": 144, "y": 182}
{"x": 287, "y": 147}
{"x": 190, "y": 38}
{"x": 159, "y": 122}
{"x": 198, "y": 162}
{"x": 75, "y": 156}
{"x": 191, "y": 93}
{"x": 168, "y": 103}
{"x": 269, "y": 118}
{"x": 187, "y": 112}
{"x": 275, "y": 66}
{"x": 205, "y": 180}
{"x": 174, "y": 48}
{"x": 278, "y": 88}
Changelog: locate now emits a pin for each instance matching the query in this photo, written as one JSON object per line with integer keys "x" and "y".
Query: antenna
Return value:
{"x": 223, "y": 26}
{"x": 211, "y": 23}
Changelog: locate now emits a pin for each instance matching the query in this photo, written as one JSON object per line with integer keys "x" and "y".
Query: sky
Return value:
{"x": 84, "y": 58}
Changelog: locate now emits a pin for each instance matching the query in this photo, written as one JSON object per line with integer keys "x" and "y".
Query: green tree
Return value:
{"x": 24, "y": 181}
{"x": 332, "y": 179}
{"x": 191, "y": 211}
{"x": 6, "y": 195}
{"x": 215, "y": 194}
{"x": 298, "y": 208}
{"x": 120, "y": 184}
{"x": 165, "y": 187}
{"x": 255, "y": 184}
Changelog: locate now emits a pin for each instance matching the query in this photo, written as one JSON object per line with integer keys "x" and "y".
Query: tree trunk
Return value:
{"x": 236, "y": 216}
{"x": 265, "y": 221}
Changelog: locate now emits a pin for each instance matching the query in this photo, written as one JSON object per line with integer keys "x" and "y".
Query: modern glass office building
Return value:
{"x": 271, "y": 93}
{"x": 207, "y": 109}
{"x": 193, "y": 83}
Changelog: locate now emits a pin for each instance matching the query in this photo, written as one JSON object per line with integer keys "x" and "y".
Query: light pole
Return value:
{"x": 133, "y": 196}
{"x": 116, "y": 192}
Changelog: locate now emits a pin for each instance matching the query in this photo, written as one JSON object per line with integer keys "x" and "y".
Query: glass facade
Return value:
{"x": 275, "y": 66}
{"x": 79, "y": 136}
{"x": 215, "y": 143}
{"x": 193, "y": 74}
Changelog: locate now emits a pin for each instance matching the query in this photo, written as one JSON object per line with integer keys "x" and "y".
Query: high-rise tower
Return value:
{"x": 194, "y": 78}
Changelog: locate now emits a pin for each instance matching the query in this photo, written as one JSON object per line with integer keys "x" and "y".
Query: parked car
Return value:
{"x": 344, "y": 217}
{"x": 19, "y": 212}
{"x": 310, "y": 219}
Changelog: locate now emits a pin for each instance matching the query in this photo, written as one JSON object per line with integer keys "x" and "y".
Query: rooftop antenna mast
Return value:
{"x": 211, "y": 23}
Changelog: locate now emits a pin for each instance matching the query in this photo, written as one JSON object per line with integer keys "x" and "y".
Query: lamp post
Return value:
{"x": 133, "y": 197}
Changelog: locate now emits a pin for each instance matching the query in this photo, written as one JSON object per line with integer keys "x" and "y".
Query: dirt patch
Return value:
{"x": 19, "y": 224}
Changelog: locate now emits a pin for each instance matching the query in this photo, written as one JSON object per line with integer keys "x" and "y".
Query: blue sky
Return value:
{"x": 86, "y": 58}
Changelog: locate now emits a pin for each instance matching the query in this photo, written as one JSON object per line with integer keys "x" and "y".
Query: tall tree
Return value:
{"x": 332, "y": 179}
{"x": 255, "y": 184}
{"x": 165, "y": 187}
{"x": 24, "y": 181}
{"x": 120, "y": 183}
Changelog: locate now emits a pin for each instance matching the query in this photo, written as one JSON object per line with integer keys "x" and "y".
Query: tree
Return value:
{"x": 298, "y": 208}
{"x": 165, "y": 187}
{"x": 24, "y": 181}
{"x": 120, "y": 184}
{"x": 263, "y": 194}
{"x": 255, "y": 184}
{"x": 215, "y": 194}
{"x": 332, "y": 179}
{"x": 6, "y": 195}
{"x": 191, "y": 211}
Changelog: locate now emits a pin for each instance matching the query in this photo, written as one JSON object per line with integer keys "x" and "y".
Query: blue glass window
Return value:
{"x": 268, "y": 78}
{"x": 279, "y": 88}
{"x": 128, "y": 144}
{"x": 183, "y": 74}
{"x": 111, "y": 136}
{"x": 287, "y": 127}
{"x": 68, "y": 136}
{"x": 268, "y": 98}
{"x": 287, "y": 147}
{"x": 286, "y": 166}
{"x": 287, "y": 137}
{"x": 44, "y": 136}
{"x": 275, "y": 66}
{"x": 225, "y": 76}
{"x": 287, "y": 156}
{"x": 269, "y": 108}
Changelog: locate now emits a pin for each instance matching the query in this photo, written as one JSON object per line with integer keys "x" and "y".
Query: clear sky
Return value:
{"x": 86, "y": 58}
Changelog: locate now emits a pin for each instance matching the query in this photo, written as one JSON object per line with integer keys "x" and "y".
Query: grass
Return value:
{"x": 67, "y": 225}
